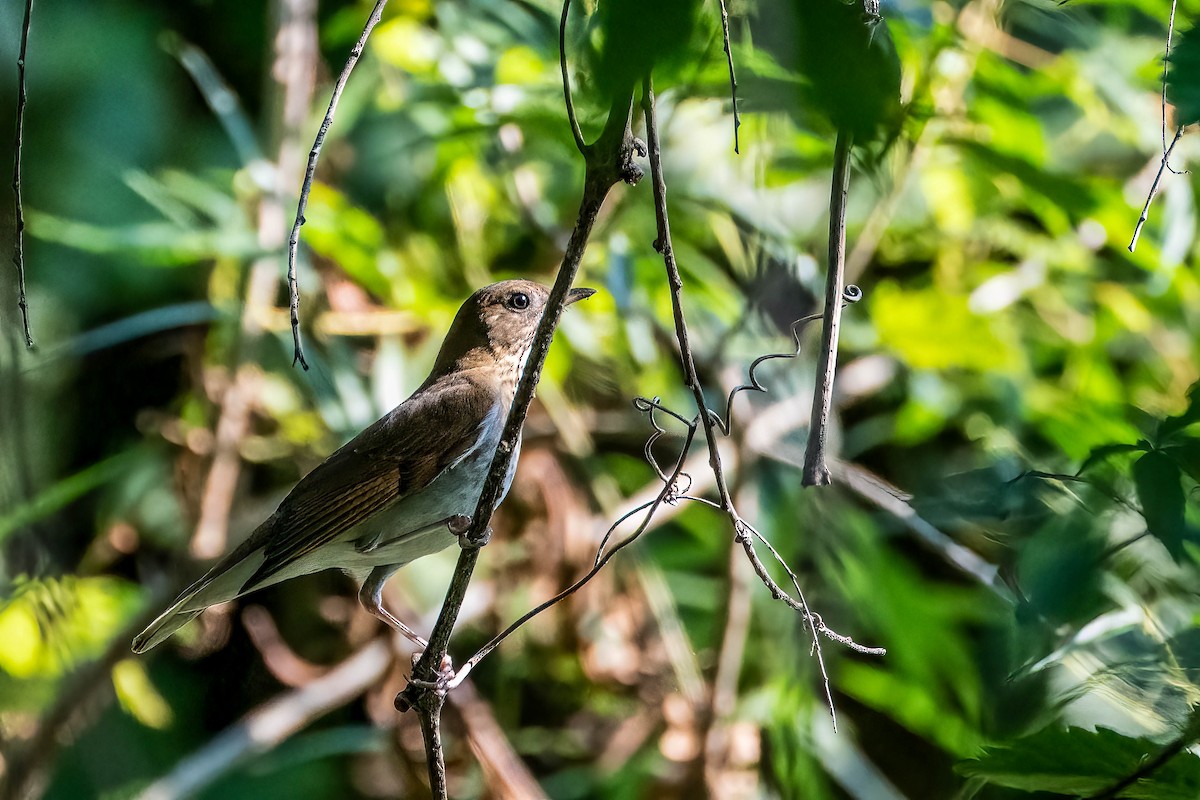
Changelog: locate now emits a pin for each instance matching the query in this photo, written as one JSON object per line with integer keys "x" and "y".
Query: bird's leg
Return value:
{"x": 371, "y": 597}
{"x": 459, "y": 525}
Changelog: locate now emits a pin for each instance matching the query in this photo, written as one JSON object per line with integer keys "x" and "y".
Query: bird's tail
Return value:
{"x": 167, "y": 623}
{"x": 223, "y": 582}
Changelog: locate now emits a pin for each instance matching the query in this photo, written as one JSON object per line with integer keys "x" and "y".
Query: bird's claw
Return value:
{"x": 460, "y": 526}
{"x": 441, "y": 685}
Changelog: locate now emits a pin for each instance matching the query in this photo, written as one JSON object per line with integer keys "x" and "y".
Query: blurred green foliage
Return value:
{"x": 1017, "y": 517}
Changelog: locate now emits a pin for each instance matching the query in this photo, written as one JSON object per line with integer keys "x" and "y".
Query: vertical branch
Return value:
{"x": 663, "y": 245}
{"x": 19, "y": 245}
{"x": 816, "y": 470}
{"x": 313, "y": 156}
{"x": 737, "y": 120}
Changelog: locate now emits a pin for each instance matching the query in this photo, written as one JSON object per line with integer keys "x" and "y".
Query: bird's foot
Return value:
{"x": 440, "y": 685}
{"x": 460, "y": 526}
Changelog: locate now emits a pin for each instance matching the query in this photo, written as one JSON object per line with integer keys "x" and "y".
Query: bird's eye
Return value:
{"x": 519, "y": 301}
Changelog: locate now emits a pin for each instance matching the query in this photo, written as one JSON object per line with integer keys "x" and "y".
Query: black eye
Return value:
{"x": 519, "y": 301}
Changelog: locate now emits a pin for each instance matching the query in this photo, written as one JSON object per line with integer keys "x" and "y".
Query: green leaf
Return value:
{"x": 640, "y": 37}
{"x": 1183, "y": 77}
{"x": 1160, "y": 491}
{"x": 1102, "y": 453}
{"x": 1077, "y": 762}
{"x": 1186, "y": 453}
{"x": 1173, "y": 425}
{"x": 850, "y": 62}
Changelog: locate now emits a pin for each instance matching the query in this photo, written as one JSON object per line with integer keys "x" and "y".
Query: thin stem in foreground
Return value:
{"x": 816, "y": 468}
{"x": 19, "y": 244}
{"x": 737, "y": 120}
{"x": 314, "y": 155}
{"x": 1162, "y": 166}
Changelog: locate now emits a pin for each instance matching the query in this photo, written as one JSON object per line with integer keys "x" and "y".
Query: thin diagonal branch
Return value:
{"x": 608, "y": 161}
{"x": 313, "y": 156}
{"x": 603, "y": 556}
{"x": 19, "y": 244}
{"x": 816, "y": 469}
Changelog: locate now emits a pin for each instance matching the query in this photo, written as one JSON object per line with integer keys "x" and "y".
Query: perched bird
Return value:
{"x": 405, "y": 486}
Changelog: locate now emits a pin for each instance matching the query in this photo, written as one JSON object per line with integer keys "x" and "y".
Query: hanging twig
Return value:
{"x": 737, "y": 120}
{"x": 19, "y": 244}
{"x": 1165, "y": 163}
{"x": 313, "y": 156}
{"x": 580, "y": 144}
{"x": 744, "y": 532}
{"x": 816, "y": 468}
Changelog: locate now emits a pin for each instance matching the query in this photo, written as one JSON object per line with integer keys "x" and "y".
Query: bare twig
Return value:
{"x": 675, "y": 282}
{"x": 294, "y": 70}
{"x": 271, "y": 723}
{"x": 737, "y": 120}
{"x": 744, "y": 532}
{"x": 580, "y": 144}
{"x": 1163, "y": 106}
{"x": 19, "y": 244}
{"x": 1162, "y": 166}
{"x": 1165, "y": 163}
{"x": 816, "y": 470}
{"x": 313, "y": 156}
{"x": 608, "y": 161}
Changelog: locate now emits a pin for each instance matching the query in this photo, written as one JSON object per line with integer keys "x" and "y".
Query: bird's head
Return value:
{"x": 497, "y": 322}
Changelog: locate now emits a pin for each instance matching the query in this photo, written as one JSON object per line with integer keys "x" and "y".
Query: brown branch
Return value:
{"x": 744, "y": 533}
{"x": 313, "y": 156}
{"x": 816, "y": 470}
{"x": 274, "y": 721}
{"x": 18, "y": 258}
{"x": 506, "y": 775}
{"x": 608, "y": 160}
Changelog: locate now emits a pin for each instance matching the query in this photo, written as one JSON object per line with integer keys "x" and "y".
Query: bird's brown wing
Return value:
{"x": 397, "y": 456}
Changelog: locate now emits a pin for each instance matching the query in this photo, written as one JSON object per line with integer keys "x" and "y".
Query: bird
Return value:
{"x": 404, "y": 487}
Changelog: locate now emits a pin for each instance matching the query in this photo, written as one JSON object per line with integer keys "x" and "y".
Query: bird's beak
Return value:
{"x": 575, "y": 295}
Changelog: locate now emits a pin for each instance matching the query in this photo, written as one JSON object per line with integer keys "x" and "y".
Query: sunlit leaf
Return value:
{"x": 1077, "y": 762}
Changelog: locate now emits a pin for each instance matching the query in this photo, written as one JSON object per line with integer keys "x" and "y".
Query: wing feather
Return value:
{"x": 397, "y": 456}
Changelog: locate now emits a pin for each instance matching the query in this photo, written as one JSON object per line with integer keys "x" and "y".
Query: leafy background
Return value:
{"x": 1014, "y": 516}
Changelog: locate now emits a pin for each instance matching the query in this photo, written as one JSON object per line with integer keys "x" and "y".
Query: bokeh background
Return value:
{"x": 1014, "y": 514}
